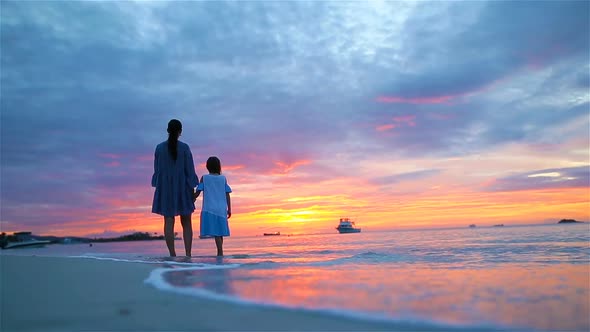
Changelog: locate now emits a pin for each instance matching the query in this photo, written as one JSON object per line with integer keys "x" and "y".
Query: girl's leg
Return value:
{"x": 169, "y": 234}
{"x": 219, "y": 244}
{"x": 187, "y": 233}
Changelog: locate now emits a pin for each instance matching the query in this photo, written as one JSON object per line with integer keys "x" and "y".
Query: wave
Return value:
{"x": 202, "y": 262}
{"x": 369, "y": 257}
{"x": 157, "y": 280}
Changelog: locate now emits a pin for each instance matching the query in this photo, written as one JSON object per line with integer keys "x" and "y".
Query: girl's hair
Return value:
{"x": 174, "y": 130}
{"x": 214, "y": 165}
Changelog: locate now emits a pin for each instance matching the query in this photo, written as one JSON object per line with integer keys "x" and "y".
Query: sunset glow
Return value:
{"x": 317, "y": 111}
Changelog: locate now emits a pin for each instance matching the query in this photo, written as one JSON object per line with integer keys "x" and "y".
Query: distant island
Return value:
{"x": 137, "y": 236}
{"x": 26, "y": 236}
{"x": 568, "y": 221}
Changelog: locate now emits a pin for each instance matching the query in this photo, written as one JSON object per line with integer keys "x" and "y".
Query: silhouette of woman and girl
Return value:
{"x": 177, "y": 188}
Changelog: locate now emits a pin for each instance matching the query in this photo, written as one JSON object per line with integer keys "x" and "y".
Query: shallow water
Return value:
{"x": 521, "y": 277}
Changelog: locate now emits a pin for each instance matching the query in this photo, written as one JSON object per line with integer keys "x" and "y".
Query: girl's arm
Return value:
{"x": 228, "y": 205}
{"x": 198, "y": 191}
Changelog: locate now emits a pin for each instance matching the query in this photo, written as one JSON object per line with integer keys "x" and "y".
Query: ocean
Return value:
{"x": 533, "y": 278}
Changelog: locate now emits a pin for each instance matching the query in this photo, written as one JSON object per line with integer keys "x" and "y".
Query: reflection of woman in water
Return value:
{"x": 175, "y": 180}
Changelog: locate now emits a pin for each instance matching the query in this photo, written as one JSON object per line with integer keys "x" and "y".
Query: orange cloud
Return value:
{"x": 233, "y": 167}
{"x": 300, "y": 206}
{"x": 283, "y": 168}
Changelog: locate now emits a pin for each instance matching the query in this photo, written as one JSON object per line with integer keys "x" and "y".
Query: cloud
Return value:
{"x": 419, "y": 100}
{"x": 284, "y": 92}
{"x": 403, "y": 177}
{"x": 554, "y": 178}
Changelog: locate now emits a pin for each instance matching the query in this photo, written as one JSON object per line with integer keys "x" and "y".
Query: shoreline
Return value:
{"x": 63, "y": 293}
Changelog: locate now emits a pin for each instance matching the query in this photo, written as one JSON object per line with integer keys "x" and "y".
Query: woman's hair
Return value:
{"x": 214, "y": 165}
{"x": 174, "y": 130}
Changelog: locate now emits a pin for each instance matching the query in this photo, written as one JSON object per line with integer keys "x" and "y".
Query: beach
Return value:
{"x": 76, "y": 294}
{"x": 530, "y": 278}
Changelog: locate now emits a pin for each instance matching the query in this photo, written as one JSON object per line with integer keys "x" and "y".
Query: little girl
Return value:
{"x": 216, "y": 208}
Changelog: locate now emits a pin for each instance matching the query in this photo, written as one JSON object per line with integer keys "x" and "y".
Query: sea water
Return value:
{"x": 512, "y": 277}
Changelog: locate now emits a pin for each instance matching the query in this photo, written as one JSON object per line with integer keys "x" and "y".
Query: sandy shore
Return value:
{"x": 71, "y": 294}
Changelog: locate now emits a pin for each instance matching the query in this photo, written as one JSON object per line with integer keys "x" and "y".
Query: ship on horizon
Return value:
{"x": 347, "y": 226}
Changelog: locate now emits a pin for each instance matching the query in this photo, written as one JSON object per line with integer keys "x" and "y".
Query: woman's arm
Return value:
{"x": 156, "y": 170}
{"x": 189, "y": 169}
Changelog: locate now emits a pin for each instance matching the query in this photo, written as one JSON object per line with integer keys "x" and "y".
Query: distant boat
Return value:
{"x": 347, "y": 226}
{"x": 499, "y": 225}
{"x": 206, "y": 236}
{"x": 272, "y": 234}
{"x": 472, "y": 226}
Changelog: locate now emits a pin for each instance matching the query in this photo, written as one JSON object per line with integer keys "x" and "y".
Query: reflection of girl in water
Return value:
{"x": 216, "y": 203}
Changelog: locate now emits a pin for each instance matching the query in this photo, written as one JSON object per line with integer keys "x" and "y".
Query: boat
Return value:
{"x": 272, "y": 234}
{"x": 206, "y": 237}
{"x": 27, "y": 244}
{"x": 499, "y": 225}
{"x": 347, "y": 226}
{"x": 23, "y": 240}
{"x": 472, "y": 226}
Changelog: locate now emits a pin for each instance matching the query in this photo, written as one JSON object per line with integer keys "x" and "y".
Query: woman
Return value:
{"x": 175, "y": 181}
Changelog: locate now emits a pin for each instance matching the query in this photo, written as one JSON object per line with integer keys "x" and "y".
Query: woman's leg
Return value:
{"x": 219, "y": 244}
{"x": 169, "y": 234}
{"x": 187, "y": 233}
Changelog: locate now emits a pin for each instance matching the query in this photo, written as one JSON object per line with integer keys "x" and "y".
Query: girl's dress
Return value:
{"x": 174, "y": 181}
{"x": 214, "y": 211}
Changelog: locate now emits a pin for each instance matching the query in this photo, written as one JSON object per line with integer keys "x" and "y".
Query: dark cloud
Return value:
{"x": 583, "y": 79}
{"x": 505, "y": 36}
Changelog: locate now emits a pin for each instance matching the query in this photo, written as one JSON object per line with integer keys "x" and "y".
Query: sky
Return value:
{"x": 397, "y": 114}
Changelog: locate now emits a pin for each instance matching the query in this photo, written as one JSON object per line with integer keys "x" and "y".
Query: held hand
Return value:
{"x": 194, "y": 197}
{"x": 228, "y": 213}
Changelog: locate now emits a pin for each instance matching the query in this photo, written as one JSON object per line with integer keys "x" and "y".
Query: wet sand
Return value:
{"x": 73, "y": 294}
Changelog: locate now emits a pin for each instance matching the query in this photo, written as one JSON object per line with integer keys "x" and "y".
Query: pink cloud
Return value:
{"x": 398, "y": 121}
{"x": 385, "y": 127}
{"x": 448, "y": 99}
